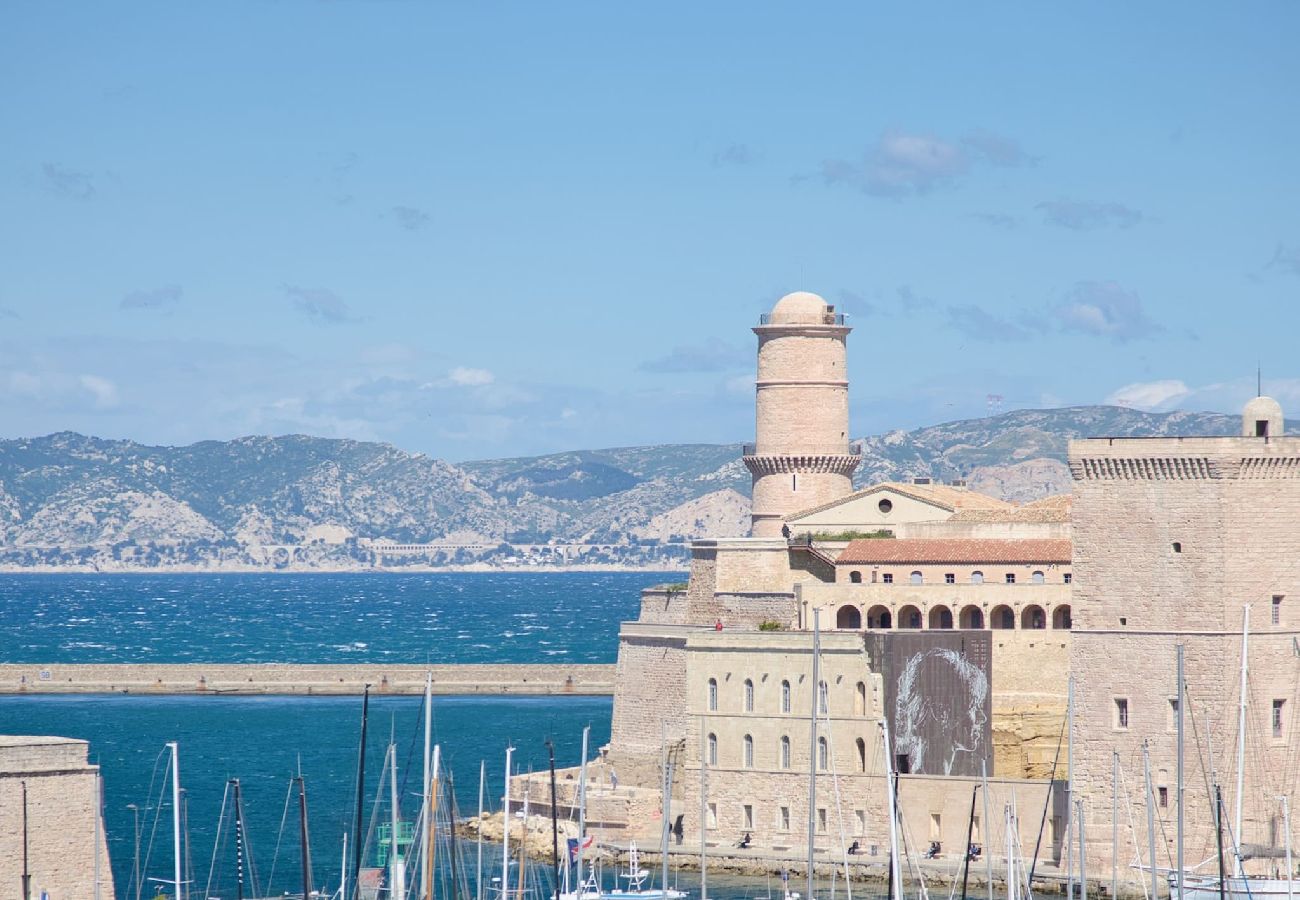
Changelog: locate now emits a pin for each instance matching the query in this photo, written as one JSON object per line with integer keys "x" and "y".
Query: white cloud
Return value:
{"x": 103, "y": 390}
{"x": 467, "y": 377}
{"x": 1149, "y": 395}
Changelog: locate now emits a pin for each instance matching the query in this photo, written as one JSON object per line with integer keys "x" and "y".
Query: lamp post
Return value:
{"x": 135, "y": 870}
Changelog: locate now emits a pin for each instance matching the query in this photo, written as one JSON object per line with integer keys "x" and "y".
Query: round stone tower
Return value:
{"x": 1262, "y": 417}
{"x": 801, "y": 456}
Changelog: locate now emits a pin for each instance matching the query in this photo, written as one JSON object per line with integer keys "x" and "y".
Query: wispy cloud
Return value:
{"x": 978, "y": 322}
{"x": 6, "y": 313}
{"x": 410, "y": 218}
{"x": 1104, "y": 309}
{"x": 997, "y": 220}
{"x": 1079, "y": 216}
{"x": 68, "y": 182}
{"x": 713, "y": 355}
{"x": 157, "y": 298}
{"x": 1285, "y": 258}
{"x": 1149, "y": 395}
{"x": 319, "y": 304}
{"x": 735, "y": 155}
{"x": 910, "y": 302}
{"x": 902, "y": 164}
{"x": 465, "y": 376}
{"x": 854, "y": 304}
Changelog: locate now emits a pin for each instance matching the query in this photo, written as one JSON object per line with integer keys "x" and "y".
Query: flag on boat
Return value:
{"x": 577, "y": 846}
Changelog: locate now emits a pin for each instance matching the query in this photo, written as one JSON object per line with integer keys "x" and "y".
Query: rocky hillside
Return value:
{"x": 296, "y": 500}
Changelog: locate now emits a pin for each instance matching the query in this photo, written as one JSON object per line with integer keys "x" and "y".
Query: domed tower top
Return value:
{"x": 1262, "y": 417}
{"x": 801, "y": 308}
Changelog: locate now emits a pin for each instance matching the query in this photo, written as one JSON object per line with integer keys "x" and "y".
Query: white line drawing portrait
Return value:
{"x": 960, "y": 717}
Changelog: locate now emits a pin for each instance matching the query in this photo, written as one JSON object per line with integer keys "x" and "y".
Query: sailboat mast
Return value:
{"x": 176, "y": 818}
{"x": 895, "y": 869}
{"x": 505, "y": 830}
{"x": 426, "y": 816}
{"x": 988, "y": 825}
{"x": 1286, "y": 827}
{"x": 704, "y": 810}
{"x": 361, "y": 794}
{"x": 431, "y": 826}
{"x": 239, "y": 840}
{"x": 397, "y": 882}
{"x": 812, "y": 745}
{"x": 1151, "y": 816}
{"x": 1241, "y": 746}
{"x": 478, "y": 871}
{"x": 667, "y": 810}
{"x": 582, "y": 804}
{"x": 555, "y": 820}
{"x": 303, "y": 837}
{"x": 1069, "y": 788}
{"x": 1178, "y": 710}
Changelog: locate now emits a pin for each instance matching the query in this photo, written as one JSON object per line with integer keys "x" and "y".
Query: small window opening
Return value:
{"x": 821, "y": 819}
{"x": 785, "y": 696}
{"x": 885, "y": 506}
{"x": 1261, "y": 428}
{"x": 1163, "y": 793}
{"x": 1038, "y": 578}
{"x": 855, "y": 577}
{"x": 976, "y": 577}
{"x": 1068, "y": 577}
{"x": 916, "y": 578}
{"x": 748, "y": 816}
{"x": 887, "y": 578}
{"x": 794, "y": 483}
{"x": 783, "y": 818}
{"x": 902, "y": 763}
{"x": 1277, "y": 717}
{"x": 1011, "y": 578}
{"x": 1121, "y": 712}
{"x": 1277, "y": 609}
{"x": 1178, "y": 547}
{"x": 949, "y": 578}
{"x": 1123, "y": 620}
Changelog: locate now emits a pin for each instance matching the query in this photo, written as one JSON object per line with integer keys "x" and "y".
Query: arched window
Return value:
{"x": 713, "y": 695}
{"x": 862, "y": 755}
{"x": 823, "y": 754}
{"x": 976, "y": 577}
{"x": 860, "y": 699}
{"x": 822, "y": 697}
{"x": 713, "y": 749}
{"x": 909, "y": 617}
{"x": 1033, "y": 617}
{"x": 1002, "y": 617}
{"x": 972, "y": 617}
{"x": 879, "y": 617}
{"x": 785, "y": 696}
{"x": 1061, "y": 617}
{"x": 749, "y": 695}
{"x": 785, "y": 752}
{"x": 748, "y": 745}
{"x": 941, "y": 617}
{"x": 848, "y": 617}
{"x": 1037, "y": 578}
{"x": 915, "y": 578}
{"x": 855, "y": 577}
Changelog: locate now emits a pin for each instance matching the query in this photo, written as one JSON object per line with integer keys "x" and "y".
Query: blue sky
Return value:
{"x": 485, "y": 229}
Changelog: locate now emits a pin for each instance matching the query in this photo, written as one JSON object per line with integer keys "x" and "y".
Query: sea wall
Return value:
{"x": 292, "y": 678}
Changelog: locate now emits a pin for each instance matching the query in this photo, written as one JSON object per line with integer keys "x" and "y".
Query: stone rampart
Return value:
{"x": 293, "y": 678}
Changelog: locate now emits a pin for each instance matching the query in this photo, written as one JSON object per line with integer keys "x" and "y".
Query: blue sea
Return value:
{"x": 264, "y": 741}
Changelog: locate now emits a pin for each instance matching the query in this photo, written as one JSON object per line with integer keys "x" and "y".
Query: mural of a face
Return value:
{"x": 957, "y": 712}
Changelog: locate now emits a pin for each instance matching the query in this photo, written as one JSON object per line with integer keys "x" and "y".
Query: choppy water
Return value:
{"x": 355, "y": 617}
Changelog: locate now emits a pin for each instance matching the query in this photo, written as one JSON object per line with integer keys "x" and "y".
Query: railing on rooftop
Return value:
{"x": 851, "y": 450}
{"x": 827, "y": 319}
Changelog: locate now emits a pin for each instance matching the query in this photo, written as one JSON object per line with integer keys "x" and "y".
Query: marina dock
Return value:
{"x": 299, "y": 679}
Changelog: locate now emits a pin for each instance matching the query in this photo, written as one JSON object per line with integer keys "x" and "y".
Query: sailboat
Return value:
{"x": 636, "y": 878}
{"x": 1238, "y": 885}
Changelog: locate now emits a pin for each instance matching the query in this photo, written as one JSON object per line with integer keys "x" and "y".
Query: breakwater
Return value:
{"x": 527, "y": 679}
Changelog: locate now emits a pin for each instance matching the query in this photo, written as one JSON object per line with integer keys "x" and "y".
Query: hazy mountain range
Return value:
{"x": 68, "y": 499}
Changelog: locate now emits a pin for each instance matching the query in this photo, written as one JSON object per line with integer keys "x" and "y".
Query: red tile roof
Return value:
{"x": 954, "y": 550}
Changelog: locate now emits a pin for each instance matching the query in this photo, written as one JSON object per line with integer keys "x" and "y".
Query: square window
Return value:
{"x": 887, "y": 578}
{"x": 1011, "y": 578}
{"x": 1121, "y": 712}
{"x": 949, "y": 578}
{"x": 1068, "y": 577}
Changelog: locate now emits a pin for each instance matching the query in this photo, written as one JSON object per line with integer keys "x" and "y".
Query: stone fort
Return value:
{"x": 970, "y": 606}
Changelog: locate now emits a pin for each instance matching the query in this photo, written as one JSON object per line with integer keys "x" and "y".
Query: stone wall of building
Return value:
{"x": 65, "y": 833}
{"x": 649, "y": 698}
{"x": 1172, "y": 537}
